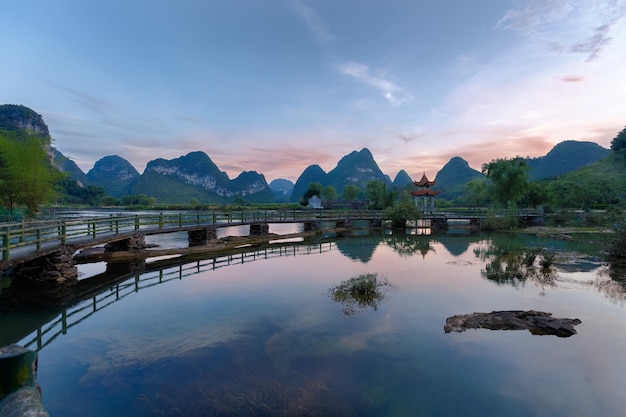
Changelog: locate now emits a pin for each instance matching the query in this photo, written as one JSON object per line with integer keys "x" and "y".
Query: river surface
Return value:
{"x": 261, "y": 333}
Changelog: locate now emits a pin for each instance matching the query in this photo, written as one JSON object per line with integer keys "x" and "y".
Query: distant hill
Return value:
{"x": 402, "y": 179}
{"x": 282, "y": 189}
{"x": 21, "y": 119}
{"x": 312, "y": 173}
{"x": 356, "y": 168}
{"x": 607, "y": 173}
{"x": 451, "y": 179}
{"x": 66, "y": 165}
{"x": 566, "y": 156}
{"x": 196, "y": 169}
{"x": 115, "y": 174}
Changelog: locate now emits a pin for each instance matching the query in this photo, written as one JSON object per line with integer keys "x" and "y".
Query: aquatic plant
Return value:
{"x": 547, "y": 259}
{"x": 359, "y": 293}
{"x": 530, "y": 255}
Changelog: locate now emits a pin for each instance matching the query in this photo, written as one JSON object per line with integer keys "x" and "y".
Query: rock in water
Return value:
{"x": 537, "y": 322}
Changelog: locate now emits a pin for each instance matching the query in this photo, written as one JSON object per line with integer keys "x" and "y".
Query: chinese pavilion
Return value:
{"x": 424, "y": 197}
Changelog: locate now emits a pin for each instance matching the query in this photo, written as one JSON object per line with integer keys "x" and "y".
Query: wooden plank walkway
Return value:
{"x": 25, "y": 241}
{"x": 28, "y": 240}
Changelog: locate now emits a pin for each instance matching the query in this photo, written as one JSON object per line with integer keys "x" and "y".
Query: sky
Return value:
{"x": 274, "y": 86}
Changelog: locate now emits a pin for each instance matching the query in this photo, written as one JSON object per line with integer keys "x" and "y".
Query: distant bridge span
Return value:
{"x": 25, "y": 241}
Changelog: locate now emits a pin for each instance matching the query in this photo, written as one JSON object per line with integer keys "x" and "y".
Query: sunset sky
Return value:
{"x": 276, "y": 85}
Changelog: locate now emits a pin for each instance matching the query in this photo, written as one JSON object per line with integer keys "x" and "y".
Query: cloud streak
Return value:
{"x": 581, "y": 27}
{"x": 387, "y": 88}
{"x": 314, "y": 23}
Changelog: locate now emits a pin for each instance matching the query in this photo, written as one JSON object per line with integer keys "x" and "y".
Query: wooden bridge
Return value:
{"x": 29, "y": 240}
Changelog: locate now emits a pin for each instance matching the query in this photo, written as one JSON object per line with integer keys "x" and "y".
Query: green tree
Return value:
{"x": 329, "y": 193}
{"x": 378, "y": 196}
{"x": 509, "y": 180}
{"x": 26, "y": 175}
{"x": 315, "y": 188}
{"x": 476, "y": 193}
{"x": 618, "y": 145}
{"x": 537, "y": 193}
{"x": 351, "y": 192}
{"x": 402, "y": 210}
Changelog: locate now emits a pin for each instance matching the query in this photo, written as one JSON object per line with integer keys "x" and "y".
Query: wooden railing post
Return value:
{"x": 136, "y": 222}
{"x": 63, "y": 233}
{"x": 38, "y": 239}
{"x": 161, "y": 221}
{"x": 94, "y": 229}
{"x": 6, "y": 243}
{"x": 180, "y": 219}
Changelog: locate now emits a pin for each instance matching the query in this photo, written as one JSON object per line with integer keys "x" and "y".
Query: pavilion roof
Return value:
{"x": 424, "y": 182}
{"x": 425, "y": 193}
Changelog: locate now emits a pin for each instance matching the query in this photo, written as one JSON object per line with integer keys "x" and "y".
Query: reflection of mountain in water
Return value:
{"x": 359, "y": 248}
{"x": 409, "y": 245}
{"x": 457, "y": 245}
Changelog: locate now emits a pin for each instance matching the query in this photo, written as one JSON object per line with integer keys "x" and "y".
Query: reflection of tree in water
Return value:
{"x": 359, "y": 293}
{"x": 515, "y": 265}
{"x": 612, "y": 282}
{"x": 408, "y": 245}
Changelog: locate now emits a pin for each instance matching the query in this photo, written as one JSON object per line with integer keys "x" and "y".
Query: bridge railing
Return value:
{"x": 69, "y": 317}
{"x": 63, "y": 231}
{"x": 462, "y": 213}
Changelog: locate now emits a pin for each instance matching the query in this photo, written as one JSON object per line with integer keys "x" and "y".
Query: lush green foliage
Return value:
{"x": 351, "y": 192}
{"x": 26, "y": 175}
{"x": 315, "y": 188}
{"x": 619, "y": 142}
{"x": 378, "y": 195}
{"x": 476, "y": 193}
{"x": 509, "y": 180}
{"x": 329, "y": 193}
{"x": 402, "y": 210}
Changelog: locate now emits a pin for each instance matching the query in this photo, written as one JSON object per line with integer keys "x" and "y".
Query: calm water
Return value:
{"x": 258, "y": 335}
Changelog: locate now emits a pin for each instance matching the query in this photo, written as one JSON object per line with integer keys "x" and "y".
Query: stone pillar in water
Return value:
{"x": 201, "y": 237}
{"x": 259, "y": 229}
{"x": 136, "y": 242}
{"x": 311, "y": 226}
{"x": 19, "y": 393}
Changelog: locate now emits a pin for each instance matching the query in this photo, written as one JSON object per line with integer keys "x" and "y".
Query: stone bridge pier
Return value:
{"x": 344, "y": 223}
{"x": 312, "y": 226}
{"x": 259, "y": 229}
{"x": 135, "y": 242}
{"x": 201, "y": 237}
{"x": 47, "y": 280}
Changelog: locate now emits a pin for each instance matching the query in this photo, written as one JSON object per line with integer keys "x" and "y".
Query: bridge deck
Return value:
{"x": 25, "y": 241}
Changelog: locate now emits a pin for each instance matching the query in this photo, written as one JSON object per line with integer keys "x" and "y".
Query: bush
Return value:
{"x": 494, "y": 222}
{"x": 616, "y": 243}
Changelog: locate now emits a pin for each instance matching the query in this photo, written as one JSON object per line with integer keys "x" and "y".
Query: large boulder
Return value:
{"x": 537, "y": 322}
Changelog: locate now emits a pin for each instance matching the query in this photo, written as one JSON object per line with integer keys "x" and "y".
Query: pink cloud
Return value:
{"x": 573, "y": 78}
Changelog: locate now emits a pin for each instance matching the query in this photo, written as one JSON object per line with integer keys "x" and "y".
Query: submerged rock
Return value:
{"x": 537, "y": 322}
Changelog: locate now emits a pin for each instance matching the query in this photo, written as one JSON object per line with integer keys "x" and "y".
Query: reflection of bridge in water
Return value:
{"x": 95, "y": 293}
